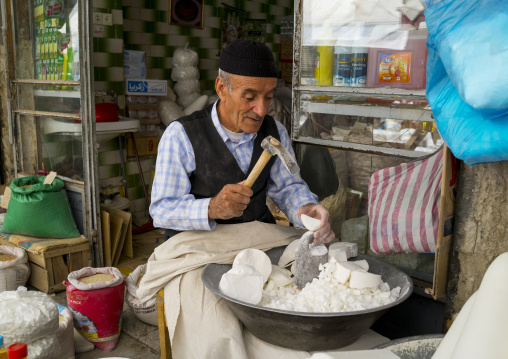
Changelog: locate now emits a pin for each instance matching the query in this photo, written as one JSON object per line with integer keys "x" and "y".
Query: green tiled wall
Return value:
{"x": 146, "y": 28}
{"x": 143, "y": 25}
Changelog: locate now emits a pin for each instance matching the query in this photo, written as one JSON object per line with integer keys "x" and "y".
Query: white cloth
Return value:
{"x": 200, "y": 324}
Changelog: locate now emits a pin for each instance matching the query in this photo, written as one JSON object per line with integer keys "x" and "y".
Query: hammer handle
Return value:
{"x": 258, "y": 168}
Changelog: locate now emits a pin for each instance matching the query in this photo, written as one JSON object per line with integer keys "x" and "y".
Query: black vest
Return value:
{"x": 216, "y": 166}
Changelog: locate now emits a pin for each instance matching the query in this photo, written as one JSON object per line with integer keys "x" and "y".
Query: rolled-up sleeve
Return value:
{"x": 172, "y": 205}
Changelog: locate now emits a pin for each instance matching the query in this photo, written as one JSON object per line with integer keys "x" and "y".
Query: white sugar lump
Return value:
{"x": 312, "y": 224}
{"x": 325, "y": 294}
{"x": 343, "y": 271}
{"x": 338, "y": 254}
{"x": 280, "y": 276}
{"x": 255, "y": 258}
{"x": 244, "y": 283}
{"x": 361, "y": 279}
{"x": 351, "y": 249}
{"x": 362, "y": 264}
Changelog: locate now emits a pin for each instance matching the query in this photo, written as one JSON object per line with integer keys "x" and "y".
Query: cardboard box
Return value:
{"x": 145, "y": 146}
{"x": 51, "y": 260}
{"x": 146, "y": 87}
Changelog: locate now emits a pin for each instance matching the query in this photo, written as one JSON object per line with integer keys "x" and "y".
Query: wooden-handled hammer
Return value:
{"x": 272, "y": 147}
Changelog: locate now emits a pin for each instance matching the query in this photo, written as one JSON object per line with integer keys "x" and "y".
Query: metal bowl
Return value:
{"x": 305, "y": 330}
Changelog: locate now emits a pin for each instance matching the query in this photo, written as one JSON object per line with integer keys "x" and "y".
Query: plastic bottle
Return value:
{"x": 342, "y": 66}
{"x": 3, "y": 351}
{"x": 323, "y": 72}
{"x": 359, "y": 56}
{"x": 17, "y": 351}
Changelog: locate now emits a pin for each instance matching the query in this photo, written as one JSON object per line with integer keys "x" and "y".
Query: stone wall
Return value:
{"x": 481, "y": 231}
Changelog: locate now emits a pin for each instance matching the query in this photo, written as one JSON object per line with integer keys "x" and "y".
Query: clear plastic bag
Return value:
{"x": 185, "y": 57}
{"x": 26, "y": 316}
{"x": 184, "y": 73}
{"x": 186, "y": 87}
{"x": 169, "y": 111}
{"x": 188, "y": 100}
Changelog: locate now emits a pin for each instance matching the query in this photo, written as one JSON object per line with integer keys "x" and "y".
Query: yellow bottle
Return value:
{"x": 3, "y": 351}
{"x": 323, "y": 72}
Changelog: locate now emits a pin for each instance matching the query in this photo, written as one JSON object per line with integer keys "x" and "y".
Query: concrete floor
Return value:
{"x": 137, "y": 339}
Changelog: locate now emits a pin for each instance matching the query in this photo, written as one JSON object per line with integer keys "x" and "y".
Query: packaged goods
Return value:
{"x": 342, "y": 66}
{"x": 323, "y": 72}
{"x": 358, "y": 74}
{"x": 96, "y": 304}
{"x": 185, "y": 57}
{"x": 400, "y": 68}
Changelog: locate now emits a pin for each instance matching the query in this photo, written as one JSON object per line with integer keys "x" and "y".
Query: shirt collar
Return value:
{"x": 215, "y": 119}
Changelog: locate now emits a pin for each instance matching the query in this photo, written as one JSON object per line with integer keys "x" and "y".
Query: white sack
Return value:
{"x": 144, "y": 311}
{"x": 15, "y": 273}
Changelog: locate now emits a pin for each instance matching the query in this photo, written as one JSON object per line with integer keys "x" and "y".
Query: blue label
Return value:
{"x": 146, "y": 87}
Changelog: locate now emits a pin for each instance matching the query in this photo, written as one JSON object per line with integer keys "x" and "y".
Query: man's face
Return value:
{"x": 245, "y": 107}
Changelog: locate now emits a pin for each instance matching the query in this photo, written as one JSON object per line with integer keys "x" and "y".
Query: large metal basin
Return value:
{"x": 309, "y": 331}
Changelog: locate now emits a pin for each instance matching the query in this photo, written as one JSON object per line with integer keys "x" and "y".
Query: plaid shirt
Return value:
{"x": 174, "y": 207}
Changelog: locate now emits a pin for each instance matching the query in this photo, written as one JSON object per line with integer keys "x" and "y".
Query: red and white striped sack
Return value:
{"x": 404, "y": 206}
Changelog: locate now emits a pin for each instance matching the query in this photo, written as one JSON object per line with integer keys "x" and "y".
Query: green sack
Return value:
{"x": 41, "y": 210}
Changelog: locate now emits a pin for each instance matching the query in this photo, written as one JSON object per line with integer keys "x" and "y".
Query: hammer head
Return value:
{"x": 275, "y": 148}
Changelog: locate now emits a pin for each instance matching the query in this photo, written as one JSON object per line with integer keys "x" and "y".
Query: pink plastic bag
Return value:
{"x": 404, "y": 206}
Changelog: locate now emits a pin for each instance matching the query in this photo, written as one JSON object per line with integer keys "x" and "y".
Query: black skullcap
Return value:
{"x": 248, "y": 58}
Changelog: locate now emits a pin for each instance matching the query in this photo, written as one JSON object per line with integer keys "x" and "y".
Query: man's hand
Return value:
{"x": 230, "y": 202}
{"x": 325, "y": 233}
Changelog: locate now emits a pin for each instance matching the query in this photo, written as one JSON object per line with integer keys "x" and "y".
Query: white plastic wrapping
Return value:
{"x": 65, "y": 334}
{"x": 73, "y": 278}
{"x": 26, "y": 316}
{"x": 197, "y": 105}
{"x": 184, "y": 73}
{"x": 44, "y": 348}
{"x": 144, "y": 311}
{"x": 185, "y": 57}
{"x": 186, "y": 87}
{"x": 15, "y": 273}
{"x": 169, "y": 111}
{"x": 188, "y": 100}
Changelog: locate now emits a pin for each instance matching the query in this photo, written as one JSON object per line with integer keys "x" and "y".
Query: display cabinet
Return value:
{"x": 359, "y": 78}
{"x": 52, "y": 124}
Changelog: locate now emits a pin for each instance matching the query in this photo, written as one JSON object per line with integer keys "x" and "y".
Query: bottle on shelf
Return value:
{"x": 323, "y": 72}
{"x": 3, "y": 350}
{"x": 17, "y": 351}
{"x": 342, "y": 66}
{"x": 359, "y": 57}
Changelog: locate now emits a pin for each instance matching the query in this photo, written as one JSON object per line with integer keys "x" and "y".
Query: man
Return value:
{"x": 204, "y": 158}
